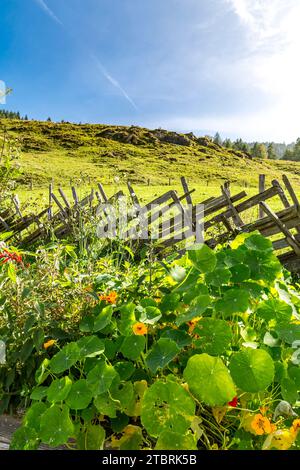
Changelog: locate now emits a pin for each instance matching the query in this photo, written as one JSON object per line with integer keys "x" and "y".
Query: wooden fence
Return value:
{"x": 173, "y": 217}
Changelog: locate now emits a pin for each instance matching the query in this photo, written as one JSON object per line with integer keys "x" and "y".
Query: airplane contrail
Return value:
{"x": 49, "y": 12}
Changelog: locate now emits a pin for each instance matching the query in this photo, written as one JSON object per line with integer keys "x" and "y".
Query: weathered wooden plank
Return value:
{"x": 185, "y": 186}
{"x": 64, "y": 197}
{"x": 281, "y": 193}
{"x": 291, "y": 191}
{"x": 289, "y": 236}
{"x": 133, "y": 195}
{"x": 102, "y": 192}
{"x": 234, "y": 214}
{"x": 261, "y": 189}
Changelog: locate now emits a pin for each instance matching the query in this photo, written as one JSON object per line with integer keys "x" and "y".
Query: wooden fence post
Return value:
{"x": 261, "y": 189}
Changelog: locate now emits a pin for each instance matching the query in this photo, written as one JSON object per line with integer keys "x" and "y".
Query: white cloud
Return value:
{"x": 48, "y": 10}
{"x": 113, "y": 81}
{"x": 268, "y": 64}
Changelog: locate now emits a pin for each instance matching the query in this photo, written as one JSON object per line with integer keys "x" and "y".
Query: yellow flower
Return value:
{"x": 140, "y": 329}
{"x": 295, "y": 426}
{"x": 49, "y": 343}
{"x": 282, "y": 439}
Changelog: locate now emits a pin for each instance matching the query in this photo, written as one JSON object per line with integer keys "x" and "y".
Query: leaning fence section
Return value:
{"x": 170, "y": 222}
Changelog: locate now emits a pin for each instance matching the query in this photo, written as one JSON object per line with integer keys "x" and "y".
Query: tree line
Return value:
{"x": 265, "y": 150}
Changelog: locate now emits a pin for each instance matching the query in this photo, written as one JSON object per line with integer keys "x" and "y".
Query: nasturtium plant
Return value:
{"x": 209, "y": 379}
{"x": 203, "y": 258}
{"x": 214, "y": 336}
{"x": 167, "y": 406}
{"x": 161, "y": 354}
{"x": 252, "y": 369}
{"x": 201, "y": 352}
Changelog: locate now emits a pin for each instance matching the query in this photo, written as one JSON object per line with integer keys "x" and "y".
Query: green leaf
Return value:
{"x": 167, "y": 406}
{"x": 239, "y": 273}
{"x": 125, "y": 369}
{"x": 181, "y": 338}
{"x": 65, "y": 359}
{"x": 209, "y": 380}
{"x": 252, "y": 370}
{"x": 33, "y": 415}
{"x": 169, "y": 302}
{"x": 234, "y": 301}
{"x": 42, "y": 372}
{"x": 133, "y": 346}
{"x": 198, "y": 306}
{"x": 59, "y": 389}
{"x": 259, "y": 243}
{"x": 289, "y": 390}
{"x": 275, "y": 309}
{"x": 131, "y": 439}
{"x": 87, "y": 323}
{"x": 79, "y": 396}
{"x": 127, "y": 320}
{"x": 91, "y": 438}
{"x": 203, "y": 258}
{"x": 56, "y": 426}
{"x": 106, "y": 405}
{"x": 289, "y": 333}
{"x": 24, "y": 439}
{"x": 100, "y": 378}
{"x": 103, "y": 319}
{"x": 90, "y": 346}
{"x": 161, "y": 354}
{"x": 38, "y": 338}
{"x": 215, "y": 336}
{"x": 218, "y": 277}
{"x": 169, "y": 440}
{"x": 39, "y": 393}
{"x": 12, "y": 272}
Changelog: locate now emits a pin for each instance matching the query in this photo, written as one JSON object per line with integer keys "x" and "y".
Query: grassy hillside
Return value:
{"x": 84, "y": 154}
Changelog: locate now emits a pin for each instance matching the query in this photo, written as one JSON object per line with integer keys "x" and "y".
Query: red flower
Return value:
{"x": 233, "y": 402}
{"x": 7, "y": 256}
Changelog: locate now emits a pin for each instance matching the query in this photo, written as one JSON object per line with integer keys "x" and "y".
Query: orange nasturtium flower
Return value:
{"x": 262, "y": 425}
{"x": 49, "y": 343}
{"x": 111, "y": 298}
{"x": 140, "y": 329}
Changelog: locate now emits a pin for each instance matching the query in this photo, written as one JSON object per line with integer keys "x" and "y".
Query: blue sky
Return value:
{"x": 189, "y": 65}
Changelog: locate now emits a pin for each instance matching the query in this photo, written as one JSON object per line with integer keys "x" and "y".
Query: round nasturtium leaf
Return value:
{"x": 65, "y": 358}
{"x": 91, "y": 438}
{"x": 169, "y": 440}
{"x": 218, "y": 277}
{"x": 167, "y": 406}
{"x": 56, "y": 426}
{"x": 106, "y": 405}
{"x": 169, "y": 302}
{"x": 59, "y": 389}
{"x": 239, "y": 273}
{"x": 275, "y": 309}
{"x": 161, "y": 353}
{"x": 209, "y": 380}
{"x": 132, "y": 346}
{"x": 33, "y": 416}
{"x": 39, "y": 393}
{"x": 80, "y": 395}
{"x": 289, "y": 390}
{"x": 252, "y": 369}
{"x": 234, "y": 301}
{"x": 24, "y": 438}
{"x": 103, "y": 318}
{"x": 215, "y": 336}
{"x": 90, "y": 346}
{"x": 100, "y": 378}
{"x": 203, "y": 258}
{"x": 258, "y": 243}
{"x": 197, "y": 307}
